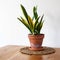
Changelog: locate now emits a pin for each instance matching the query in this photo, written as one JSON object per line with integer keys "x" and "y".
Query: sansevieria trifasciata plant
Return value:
{"x": 34, "y": 24}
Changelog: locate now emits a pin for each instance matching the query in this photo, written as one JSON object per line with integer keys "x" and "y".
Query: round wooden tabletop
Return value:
{"x": 11, "y": 52}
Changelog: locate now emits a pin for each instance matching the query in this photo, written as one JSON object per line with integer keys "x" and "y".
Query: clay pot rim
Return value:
{"x": 35, "y": 34}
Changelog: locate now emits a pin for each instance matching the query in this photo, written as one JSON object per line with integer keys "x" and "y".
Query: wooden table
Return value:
{"x": 11, "y": 52}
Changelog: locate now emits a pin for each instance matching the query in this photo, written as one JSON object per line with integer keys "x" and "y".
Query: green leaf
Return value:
{"x": 35, "y": 12}
{"x": 41, "y": 18}
{"x": 36, "y": 22}
{"x": 25, "y": 23}
{"x": 30, "y": 23}
{"x": 40, "y": 24}
{"x": 24, "y": 12}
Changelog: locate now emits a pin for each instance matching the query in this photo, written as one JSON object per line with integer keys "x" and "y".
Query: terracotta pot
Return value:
{"x": 36, "y": 41}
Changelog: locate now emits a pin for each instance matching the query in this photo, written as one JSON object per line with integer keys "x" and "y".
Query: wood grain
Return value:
{"x": 11, "y": 52}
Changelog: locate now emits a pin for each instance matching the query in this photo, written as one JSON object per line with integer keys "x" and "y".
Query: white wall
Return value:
{"x": 13, "y": 32}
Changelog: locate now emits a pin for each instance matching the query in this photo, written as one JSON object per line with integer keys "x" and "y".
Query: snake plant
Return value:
{"x": 34, "y": 24}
